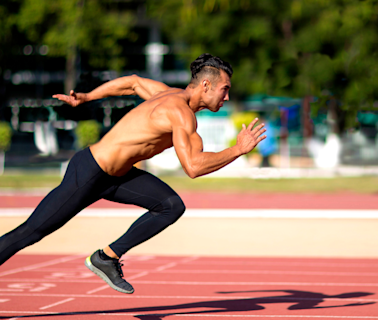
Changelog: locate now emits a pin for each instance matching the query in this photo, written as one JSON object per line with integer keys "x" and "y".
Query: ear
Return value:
{"x": 206, "y": 85}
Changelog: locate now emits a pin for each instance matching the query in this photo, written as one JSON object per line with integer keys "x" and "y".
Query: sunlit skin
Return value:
{"x": 166, "y": 118}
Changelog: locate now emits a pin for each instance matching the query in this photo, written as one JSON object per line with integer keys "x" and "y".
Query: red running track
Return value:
{"x": 233, "y": 201}
{"x": 60, "y": 287}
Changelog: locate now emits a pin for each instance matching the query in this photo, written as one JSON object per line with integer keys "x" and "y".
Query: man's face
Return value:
{"x": 218, "y": 92}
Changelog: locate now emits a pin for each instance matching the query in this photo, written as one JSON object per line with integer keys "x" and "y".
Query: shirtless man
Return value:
{"x": 105, "y": 170}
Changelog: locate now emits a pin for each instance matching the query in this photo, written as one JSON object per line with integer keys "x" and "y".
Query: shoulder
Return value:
{"x": 180, "y": 114}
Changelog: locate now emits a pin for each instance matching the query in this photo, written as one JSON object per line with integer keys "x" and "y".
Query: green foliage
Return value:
{"x": 87, "y": 133}
{"x": 93, "y": 26}
{"x": 321, "y": 48}
{"x": 5, "y": 136}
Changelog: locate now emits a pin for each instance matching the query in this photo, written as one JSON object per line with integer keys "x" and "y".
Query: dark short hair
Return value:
{"x": 209, "y": 64}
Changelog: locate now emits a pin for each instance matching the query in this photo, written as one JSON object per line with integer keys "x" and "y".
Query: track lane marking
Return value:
{"x": 98, "y": 289}
{"x": 337, "y": 284}
{"x": 167, "y": 266}
{"x": 291, "y": 264}
{"x": 187, "y": 297}
{"x": 366, "y": 274}
{"x": 144, "y": 273}
{"x": 141, "y": 274}
{"x": 83, "y": 274}
{"x": 341, "y": 284}
{"x": 267, "y": 213}
{"x": 41, "y": 265}
{"x": 56, "y": 303}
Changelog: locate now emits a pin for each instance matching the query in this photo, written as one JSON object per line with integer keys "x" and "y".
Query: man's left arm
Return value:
{"x": 128, "y": 85}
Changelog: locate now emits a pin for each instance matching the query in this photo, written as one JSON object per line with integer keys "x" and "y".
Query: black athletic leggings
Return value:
{"x": 84, "y": 183}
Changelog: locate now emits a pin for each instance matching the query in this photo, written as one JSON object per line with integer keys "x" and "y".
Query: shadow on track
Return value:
{"x": 301, "y": 300}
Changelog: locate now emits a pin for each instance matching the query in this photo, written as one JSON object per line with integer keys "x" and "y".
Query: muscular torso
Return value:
{"x": 140, "y": 134}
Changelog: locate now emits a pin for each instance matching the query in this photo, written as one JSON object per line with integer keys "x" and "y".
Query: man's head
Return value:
{"x": 211, "y": 76}
{"x": 207, "y": 65}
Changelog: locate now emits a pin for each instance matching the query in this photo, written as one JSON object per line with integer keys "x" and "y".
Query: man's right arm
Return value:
{"x": 129, "y": 85}
{"x": 189, "y": 147}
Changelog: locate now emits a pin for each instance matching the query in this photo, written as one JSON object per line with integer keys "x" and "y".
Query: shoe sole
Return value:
{"x": 103, "y": 276}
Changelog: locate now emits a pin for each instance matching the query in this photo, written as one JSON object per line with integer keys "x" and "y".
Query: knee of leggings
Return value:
{"x": 172, "y": 209}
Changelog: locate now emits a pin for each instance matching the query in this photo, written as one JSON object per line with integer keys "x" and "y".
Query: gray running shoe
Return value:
{"x": 110, "y": 271}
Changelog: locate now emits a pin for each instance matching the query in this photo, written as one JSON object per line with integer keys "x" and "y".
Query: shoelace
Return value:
{"x": 118, "y": 266}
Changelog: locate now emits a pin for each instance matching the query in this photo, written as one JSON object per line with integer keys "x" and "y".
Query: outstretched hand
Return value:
{"x": 74, "y": 99}
{"x": 249, "y": 137}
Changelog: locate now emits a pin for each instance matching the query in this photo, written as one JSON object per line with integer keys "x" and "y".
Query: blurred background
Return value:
{"x": 306, "y": 68}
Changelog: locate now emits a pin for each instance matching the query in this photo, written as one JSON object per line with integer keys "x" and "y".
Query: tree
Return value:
{"x": 67, "y": 26}
{"x": 321, "y": 48}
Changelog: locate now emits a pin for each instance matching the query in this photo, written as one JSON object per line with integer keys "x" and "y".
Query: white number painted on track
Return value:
{"x": 69, "y": 275}
{"x": 31, "y": 287}
{"x": 3, "y": 300}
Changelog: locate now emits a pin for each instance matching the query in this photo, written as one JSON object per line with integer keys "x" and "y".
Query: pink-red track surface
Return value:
{"x": 60, "y": 287}
{"x": 215, "y": 200}
{"x": 191, "y": 287}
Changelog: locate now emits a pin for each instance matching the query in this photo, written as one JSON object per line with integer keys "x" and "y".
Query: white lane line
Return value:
{"x": 190, "y": 259}
{"x": 98, "y": 289}
{"x": 141, "y": 274}
{"x": 84, "y": 274}
{"x": 51, "y": 280}
{"x": 321, "y": 284}
{"x": 196, "y": 283}
{"x": 27, "y": 312}
{"x": 226, "y": 298}
{"x": 56, "y": 303}
{"x": 11, "y": 290}
{"x": 41, "y": 265}
{"x": 281, "y": 262}
{"x": 221, "y": 213}
{"x": 107, "y": 286}
{"x": 319, "y": 273}
{"x": 169, "y": 265}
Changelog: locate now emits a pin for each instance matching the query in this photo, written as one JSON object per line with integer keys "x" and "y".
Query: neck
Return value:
{"x": 194, "y": 99}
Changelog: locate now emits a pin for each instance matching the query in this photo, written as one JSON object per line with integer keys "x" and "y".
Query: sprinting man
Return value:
{"x": 105, "y": 170}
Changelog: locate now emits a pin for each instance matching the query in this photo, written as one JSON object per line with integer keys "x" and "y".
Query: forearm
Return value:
{"x": 207, "y": 162}
{"x": 117, "y": 87}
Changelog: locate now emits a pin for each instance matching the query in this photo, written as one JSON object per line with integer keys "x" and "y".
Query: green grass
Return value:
{"x": 28, "y": 181}
{"x": 327, "y": 185}
{"x": 321, "y": 185}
